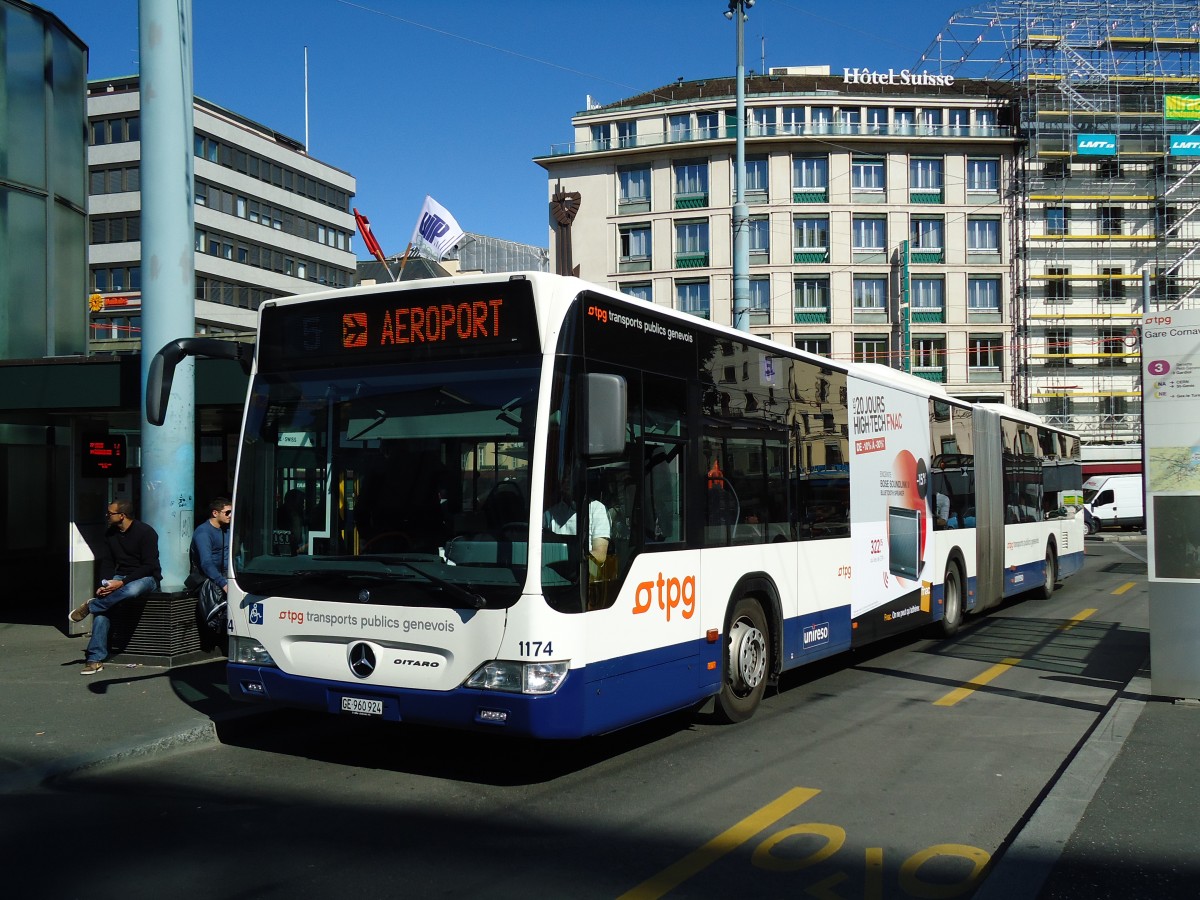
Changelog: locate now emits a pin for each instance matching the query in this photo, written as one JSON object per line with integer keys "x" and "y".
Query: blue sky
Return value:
{"x": 455, "y": 99}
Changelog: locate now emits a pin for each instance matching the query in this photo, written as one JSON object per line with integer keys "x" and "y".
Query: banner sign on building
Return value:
{"x": 1182, "y": 106}
{"x": 1096, "y": 144}
{"x": 1185, "y": 145}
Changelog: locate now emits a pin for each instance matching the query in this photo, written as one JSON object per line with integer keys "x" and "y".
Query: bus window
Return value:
{"x": 664, "y": 437}
{"x": 952, "y": 470}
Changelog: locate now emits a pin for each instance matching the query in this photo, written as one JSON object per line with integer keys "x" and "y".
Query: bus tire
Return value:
{"x": 952, "y": 600}
{"x": 1051, "y": 573}
{"x": 747, "y": 662}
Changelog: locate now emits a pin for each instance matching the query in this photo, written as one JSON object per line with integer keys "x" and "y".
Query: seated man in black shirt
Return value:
{"x": 134, "y": 568}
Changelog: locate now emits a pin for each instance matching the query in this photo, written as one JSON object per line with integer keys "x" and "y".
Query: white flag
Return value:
{"x": 436, "y": 229}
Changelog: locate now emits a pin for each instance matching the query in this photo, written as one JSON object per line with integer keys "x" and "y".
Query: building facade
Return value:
{"x": 271, "y": 221}
{"x": 43, "y": 260}
{"x": 43, "y": 192}
{"x": 879, "y": 224}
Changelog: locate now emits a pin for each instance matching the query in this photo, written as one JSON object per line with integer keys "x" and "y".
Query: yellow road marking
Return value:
{"x": 1000, "y": 668}
{"x": 1077, "y": 618}
{"x": 977, "y": 682}
{"x": 1123, "y": 588}
{"x": 730, "y": 839}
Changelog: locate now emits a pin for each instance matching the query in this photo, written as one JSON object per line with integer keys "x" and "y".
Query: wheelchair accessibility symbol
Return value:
{"x": 256, "y": 614}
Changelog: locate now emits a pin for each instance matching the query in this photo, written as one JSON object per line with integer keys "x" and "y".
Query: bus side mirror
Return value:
{"x": 161, "y": 373}
{"x": 158, "y": 382}
{"x": 605, "y": 398}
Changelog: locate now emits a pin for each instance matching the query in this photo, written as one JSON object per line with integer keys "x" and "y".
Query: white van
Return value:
{"x": 1114, "y": 500}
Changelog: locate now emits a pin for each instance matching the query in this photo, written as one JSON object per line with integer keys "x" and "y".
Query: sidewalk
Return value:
{"x": 54, "y": 721}
{"x": 1121, "y": 819}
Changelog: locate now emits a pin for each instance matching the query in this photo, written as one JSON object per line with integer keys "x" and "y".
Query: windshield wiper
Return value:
{"x": 477, "y": 601}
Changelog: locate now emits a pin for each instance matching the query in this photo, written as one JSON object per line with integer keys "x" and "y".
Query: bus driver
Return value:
{"x": 561, "y": 518}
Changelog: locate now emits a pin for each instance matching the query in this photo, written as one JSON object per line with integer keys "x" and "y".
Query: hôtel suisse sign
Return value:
{"x": 891, "y": 76}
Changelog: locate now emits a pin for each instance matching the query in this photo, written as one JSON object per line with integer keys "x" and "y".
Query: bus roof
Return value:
{"x": 572, "y": 286}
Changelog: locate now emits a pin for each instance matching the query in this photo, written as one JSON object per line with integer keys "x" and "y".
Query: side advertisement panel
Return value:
{"x": 890, "y": 526}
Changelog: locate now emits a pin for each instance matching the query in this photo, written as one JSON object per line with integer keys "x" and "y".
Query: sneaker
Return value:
{"x": 92, "y": 668}
{"x": 79, "y": 613}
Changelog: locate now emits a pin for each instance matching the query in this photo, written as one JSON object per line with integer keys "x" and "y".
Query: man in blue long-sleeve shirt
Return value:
{"x": 210, "y": 542}
{"x": 132, "y": 569}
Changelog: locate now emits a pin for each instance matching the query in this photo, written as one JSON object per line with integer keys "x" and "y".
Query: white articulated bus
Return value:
{"x": 528, "y": 504}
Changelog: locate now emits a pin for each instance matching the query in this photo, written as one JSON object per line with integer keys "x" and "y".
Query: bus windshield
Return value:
{"x": 404, "y": 486}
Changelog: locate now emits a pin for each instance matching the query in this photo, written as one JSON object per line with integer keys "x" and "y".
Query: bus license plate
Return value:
{"x": 361, "y": 707}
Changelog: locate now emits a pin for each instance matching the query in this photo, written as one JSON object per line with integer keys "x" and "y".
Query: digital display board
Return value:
{"x": 104, "y": 456}
{"x": 400, "y": 325}
{"x": 904, "y": 542}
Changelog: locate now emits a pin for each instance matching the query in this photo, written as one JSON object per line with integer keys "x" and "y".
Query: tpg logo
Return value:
{"x": 815, "y": 635}
{"x": 671, "y": 594}
{"x": 432, "y": 227}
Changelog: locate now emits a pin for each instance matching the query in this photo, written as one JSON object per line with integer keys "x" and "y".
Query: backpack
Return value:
{"x": 211, "y": 607}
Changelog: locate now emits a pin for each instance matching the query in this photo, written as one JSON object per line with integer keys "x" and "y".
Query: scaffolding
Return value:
{"x": 1104, "y": 206}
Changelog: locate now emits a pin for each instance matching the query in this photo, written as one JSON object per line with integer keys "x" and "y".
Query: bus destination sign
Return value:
{"x": 400, "y": 326}
{"x": 471, "y": 320}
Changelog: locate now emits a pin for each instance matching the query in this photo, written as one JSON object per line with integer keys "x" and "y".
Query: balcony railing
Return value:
{"x": 691, "y": 260}
{"x": 926, "y": 256}
{"x": 810, "y": 255}
{"x": 655, "y": 139}
{"x": 809, "y": 315}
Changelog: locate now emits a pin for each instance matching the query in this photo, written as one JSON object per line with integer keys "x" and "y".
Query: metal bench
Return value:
{"x": 161, "y": 629}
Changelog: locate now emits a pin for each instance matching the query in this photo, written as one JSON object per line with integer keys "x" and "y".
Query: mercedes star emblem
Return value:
{"x": 362, "y": 660}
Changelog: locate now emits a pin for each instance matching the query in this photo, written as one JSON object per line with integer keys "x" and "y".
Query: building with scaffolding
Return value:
{"x": 1105, "y": 207}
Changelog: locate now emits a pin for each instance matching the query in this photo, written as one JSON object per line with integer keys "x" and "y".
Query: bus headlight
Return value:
{"x": 519, "y": 677}
{"x": 248, "y": 651}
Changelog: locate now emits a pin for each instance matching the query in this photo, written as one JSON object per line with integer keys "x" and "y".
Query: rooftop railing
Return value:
{"x": 754, "y": 131}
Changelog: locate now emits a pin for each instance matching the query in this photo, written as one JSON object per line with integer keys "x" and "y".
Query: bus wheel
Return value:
{"x": 952, "y": 608}
{"x": 1051, "y": 572}
{"x": 747, "y": 662}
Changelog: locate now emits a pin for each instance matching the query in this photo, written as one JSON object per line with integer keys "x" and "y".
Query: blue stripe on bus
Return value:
{"x": 969, "y": 599}
{"x": 1070, "y": 563}
{"x": 1025, "y": 577}
{"x": 816, "y": 635}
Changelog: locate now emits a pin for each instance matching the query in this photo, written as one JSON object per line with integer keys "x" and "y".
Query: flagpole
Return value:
{"x": 404, "y": 258}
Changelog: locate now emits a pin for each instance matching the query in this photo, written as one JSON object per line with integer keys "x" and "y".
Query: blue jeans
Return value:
{"x": 97, "y": 648}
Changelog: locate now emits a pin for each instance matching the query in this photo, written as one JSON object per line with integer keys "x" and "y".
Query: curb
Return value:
{"x": 1134, "y": 538}
{"x": 203, "y": 732}
{"x": 1028, "y": 861}
{"x": 148, "y": 745}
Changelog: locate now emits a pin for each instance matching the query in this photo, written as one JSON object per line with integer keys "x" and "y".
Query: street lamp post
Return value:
{"x": 741, "y": 213}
